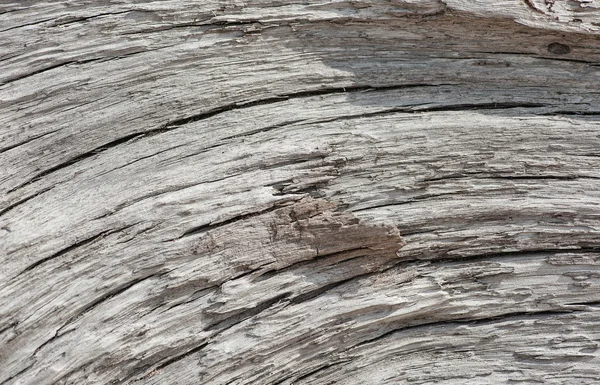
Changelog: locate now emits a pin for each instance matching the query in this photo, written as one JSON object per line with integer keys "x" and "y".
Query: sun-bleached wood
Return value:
{"x": 269, "y": 192}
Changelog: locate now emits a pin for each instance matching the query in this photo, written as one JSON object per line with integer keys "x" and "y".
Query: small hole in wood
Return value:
{"x": 559, "y": 49}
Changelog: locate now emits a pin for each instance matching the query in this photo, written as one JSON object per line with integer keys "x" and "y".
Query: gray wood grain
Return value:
{"x": 225, "y": 192}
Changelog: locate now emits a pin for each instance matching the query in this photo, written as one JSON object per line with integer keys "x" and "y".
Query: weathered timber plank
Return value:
{"x": 225, "y": 192}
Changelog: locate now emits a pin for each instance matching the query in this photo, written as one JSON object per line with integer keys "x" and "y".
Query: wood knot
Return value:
{"x": 558, "y": 48}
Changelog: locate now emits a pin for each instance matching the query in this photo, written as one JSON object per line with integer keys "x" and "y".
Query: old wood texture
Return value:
{"x": 299, "y": 192}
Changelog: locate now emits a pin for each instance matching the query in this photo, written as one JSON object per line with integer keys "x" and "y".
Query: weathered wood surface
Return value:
{"x": 269, "y": 192}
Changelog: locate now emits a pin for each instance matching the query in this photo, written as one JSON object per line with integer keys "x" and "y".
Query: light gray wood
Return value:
{"x": 269, "y": 192}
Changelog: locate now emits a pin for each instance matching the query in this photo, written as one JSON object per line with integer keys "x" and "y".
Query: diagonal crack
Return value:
{"x": 21, "y": 201}
{"x": 174, "y": 124}
{"x": 471, "y": 321}
{"x": 181, "y": 356}
{"x": 95, "y": 303}
{"x": 25, "y": 25}
{"x": 12, "y": 146}
{"x": 76, "y": 19}
{"x": 318, "y": 369}
{"x": 239, "y": 317}
{"x": 70, "y": 248}
{"x": 62, "y": 20}
{"x": 508, "y": 254}
{"x": 56, "y": 65}
{"x": 76, "y": 159}
{"x": 213, "y": 225}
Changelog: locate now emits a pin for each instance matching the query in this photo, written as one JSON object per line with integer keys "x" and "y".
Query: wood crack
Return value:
{"x": 180, "y": 122}
{"x": 24, "y": 200}
{"x": 8, "y": 327}
{"x": 26, "y": 368}
{"x": 68, "y": 249}
{"x": 160, "y": 192}
{"x": 416, "y": 108}
{"x": 480, "y": 106}
{"x": 77, "y": 159}
{"x": 59, "y": 65}
{"x": 92, "y": 305}
{"x": 12, "y": 146}
{"x": 101, "y": 59}
{"x": 318, "y": 257}
{"x": 192, "y": 297}
{"x": 281, "y": 98}
{"x": 174, "y": 124}
{"x": 239, "y": 317}
{"x": 470, "y": 321}
{"x": 307, "y": 296}
{"x": 491, "y": 176}
{"x": 65, "y": 20}
{"x": 566, "y": 112}
{"x": 179, "y": 357}
{"x": 144, "y": 368}
{"x": 25, "y": 25}
{"x": 262, "y": 130}
{"x": 207, "y": 23}
{"x": 318, "y": 369}
{"x": 213, "y": 225}
{"x": 501, "y": 254}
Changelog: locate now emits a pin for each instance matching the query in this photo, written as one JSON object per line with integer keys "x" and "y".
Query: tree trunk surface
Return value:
{"x": 300, "y": 192}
